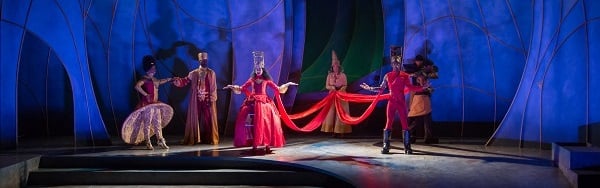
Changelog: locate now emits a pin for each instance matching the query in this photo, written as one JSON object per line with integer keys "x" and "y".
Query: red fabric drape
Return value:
{"x": 345, "y": 117}
{"x": 314, "y": 123}
{"x": 327, "y": 101}
{"x": 323, "y": 108}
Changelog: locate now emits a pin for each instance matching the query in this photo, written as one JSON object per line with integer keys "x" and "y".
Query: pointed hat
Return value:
{"x": 334, "y": 59}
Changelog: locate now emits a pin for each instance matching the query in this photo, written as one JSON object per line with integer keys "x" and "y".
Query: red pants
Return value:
{"x": 205, "y": 121}
{"x": 393, "y": 106}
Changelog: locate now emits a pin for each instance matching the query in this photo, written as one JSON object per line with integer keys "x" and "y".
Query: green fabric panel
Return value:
{"x": 354, "y": 30}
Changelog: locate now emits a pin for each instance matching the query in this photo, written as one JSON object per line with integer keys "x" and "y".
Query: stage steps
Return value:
{"x": 176, "y": 170}
{"x": 579, "y": 163}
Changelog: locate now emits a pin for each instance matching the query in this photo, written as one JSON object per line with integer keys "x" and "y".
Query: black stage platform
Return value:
{"x": 306, "y": 161}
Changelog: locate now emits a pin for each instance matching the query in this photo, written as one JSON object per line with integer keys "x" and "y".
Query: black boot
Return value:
{"x": 407, "y": 149}
{"x": 429, "y": 138}
{"x": 387, "y": 134}
{"x": 413, "y": 139}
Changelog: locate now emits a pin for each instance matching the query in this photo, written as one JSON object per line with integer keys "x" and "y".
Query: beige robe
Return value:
{"x": 192, "y": 124}
{"x": 332, "y": 122}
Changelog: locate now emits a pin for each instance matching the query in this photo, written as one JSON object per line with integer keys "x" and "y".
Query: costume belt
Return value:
{"x": 258, "y": 98}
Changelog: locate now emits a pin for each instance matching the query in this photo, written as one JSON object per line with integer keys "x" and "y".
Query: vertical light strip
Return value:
{"x": 45, "y": 112}
{"x": 110, "y": 29}
{"x": 493, "y": 67}
{"x": 462, "y": 76}
{"x": 587, "y": 80}
{"x": 17, "y": 74}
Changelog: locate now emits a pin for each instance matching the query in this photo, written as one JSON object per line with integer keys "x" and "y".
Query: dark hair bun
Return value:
{"x": 148, "y": 61}
{"x": 419, "y": 58}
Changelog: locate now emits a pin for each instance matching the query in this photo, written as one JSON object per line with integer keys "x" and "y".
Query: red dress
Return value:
{"x": 151, "y": 88}
{"x": 267, "y": 123}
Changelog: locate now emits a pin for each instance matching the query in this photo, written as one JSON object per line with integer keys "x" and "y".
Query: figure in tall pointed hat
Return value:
{"x": 336, "y": 82}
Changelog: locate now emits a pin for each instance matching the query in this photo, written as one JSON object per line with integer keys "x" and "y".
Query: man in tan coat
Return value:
{"x": 419, "y": 113}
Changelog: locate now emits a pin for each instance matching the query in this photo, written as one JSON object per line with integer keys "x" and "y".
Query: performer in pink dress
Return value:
{"x": 396, "y": 81}
{"x": 258, "y": 122}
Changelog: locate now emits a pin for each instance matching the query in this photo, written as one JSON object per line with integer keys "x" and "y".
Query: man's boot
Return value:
{"x": 387, "y": 134}
{"x": 429, "y": 138}
{"x": 407, "y": 149}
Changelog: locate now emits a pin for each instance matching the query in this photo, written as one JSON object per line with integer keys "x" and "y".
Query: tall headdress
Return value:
{"x": 396, "y": 54}
{"x": 200, "y": 56}
{"x": 334, "y": 59}
{"x": 259, "y": 59}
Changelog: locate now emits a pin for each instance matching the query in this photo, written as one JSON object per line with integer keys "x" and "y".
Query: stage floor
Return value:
{"x": 451, "y": 163}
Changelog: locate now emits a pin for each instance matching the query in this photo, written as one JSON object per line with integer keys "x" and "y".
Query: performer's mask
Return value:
{"x": 396, "y": 55}
{"x": 203, "y": 59}
{"x": 258, "y": 71}
{"x": 397, "y": 65}
{"x": 204, "y": 63}
{"x": 259, "y": 62}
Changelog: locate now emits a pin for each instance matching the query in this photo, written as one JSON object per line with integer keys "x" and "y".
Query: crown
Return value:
{"x": 259, "y": 59}
{"x": 396, "y": 54}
